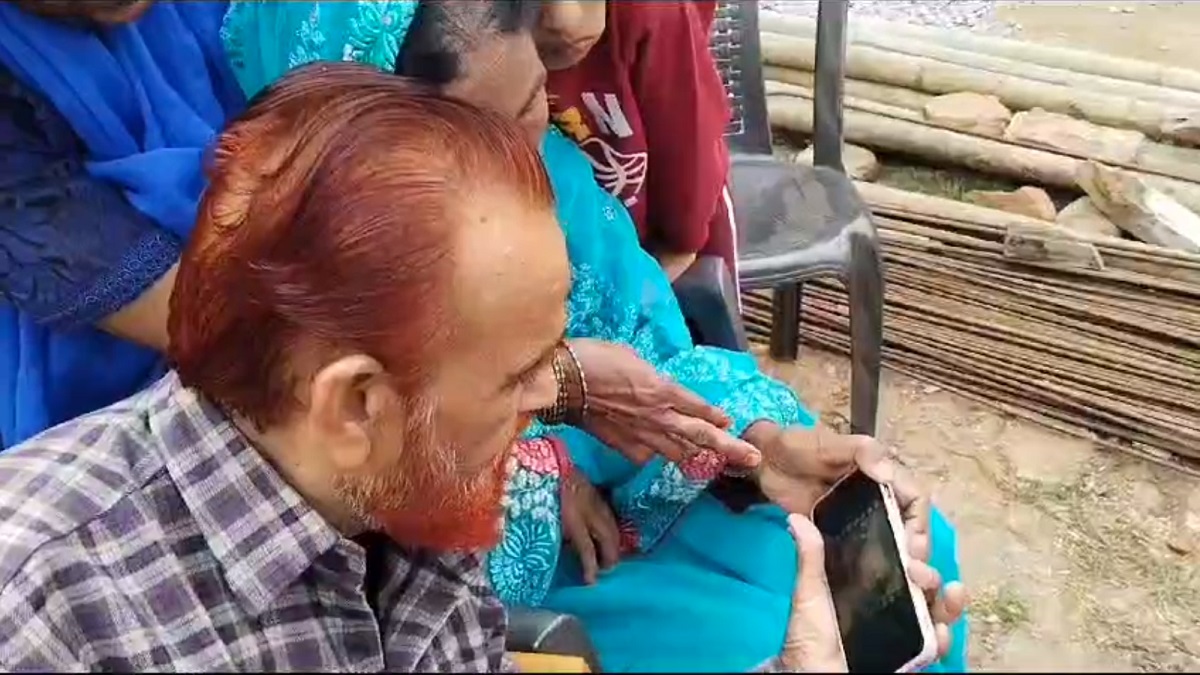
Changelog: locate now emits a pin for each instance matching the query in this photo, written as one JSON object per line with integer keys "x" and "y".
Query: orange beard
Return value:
{"x": 426, "y": 501}
{"x": 444, "y": 512}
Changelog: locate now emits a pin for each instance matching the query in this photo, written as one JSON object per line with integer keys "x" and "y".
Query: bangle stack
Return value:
{"x": 571, "y": 401}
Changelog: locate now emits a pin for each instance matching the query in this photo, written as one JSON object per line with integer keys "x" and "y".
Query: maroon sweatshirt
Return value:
{"x": 648, "y": 106}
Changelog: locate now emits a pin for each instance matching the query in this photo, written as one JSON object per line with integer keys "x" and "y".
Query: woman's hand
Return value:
{"x": 813, "y": 643}
{"x": 639, "y": 413}
{"x": 589, "y": 526}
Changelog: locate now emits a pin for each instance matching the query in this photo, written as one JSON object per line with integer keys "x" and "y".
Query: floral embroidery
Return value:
{"x": 378, "y": 31}
{"x": 703, "y": 466}
{"x": 538, "y": 455}
{"x": 309, "y": 40}
{"x": 522, "y": 566}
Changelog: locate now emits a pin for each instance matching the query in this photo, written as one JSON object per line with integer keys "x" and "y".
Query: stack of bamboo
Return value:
{"x": 1111, "y": 354}
{"x": 1095, "y": 336}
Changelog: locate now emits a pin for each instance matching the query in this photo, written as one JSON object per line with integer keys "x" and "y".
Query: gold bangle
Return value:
{"x": 577, "y": 413}
{"x": 556, "y": 414}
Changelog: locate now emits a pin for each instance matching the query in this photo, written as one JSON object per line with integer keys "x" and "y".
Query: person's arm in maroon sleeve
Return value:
{"x": 683, "y": 109}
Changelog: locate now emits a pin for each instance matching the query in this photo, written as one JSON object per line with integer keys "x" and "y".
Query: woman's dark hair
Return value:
{"x": 443, "y": 30}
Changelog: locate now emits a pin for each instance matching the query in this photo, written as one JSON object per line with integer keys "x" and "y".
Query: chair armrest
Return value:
{"x": 708, "y": 298}
{"x": 541, "y": 631}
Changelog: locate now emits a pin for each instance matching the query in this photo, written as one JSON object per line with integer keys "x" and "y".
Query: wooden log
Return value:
{"x": 979, "y": 217}
{"x": 1077, "y": 60}
{"x": 892, "y": 41}
{"x": 870, "y": 91}
{"x": 1150, "y": 156}
{"x": 945, "y": 146}
{"x": 776, "y": 88}
{"x": 876, "y": 65}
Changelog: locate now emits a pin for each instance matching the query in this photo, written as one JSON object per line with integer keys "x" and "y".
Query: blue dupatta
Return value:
{"x": 146, "y": 99}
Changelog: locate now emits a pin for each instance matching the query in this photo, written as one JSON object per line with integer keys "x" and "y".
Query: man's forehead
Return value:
{"x": 510, "y": 260}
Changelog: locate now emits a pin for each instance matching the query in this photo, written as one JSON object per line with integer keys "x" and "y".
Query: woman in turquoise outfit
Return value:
{"x": 698, "y": 588}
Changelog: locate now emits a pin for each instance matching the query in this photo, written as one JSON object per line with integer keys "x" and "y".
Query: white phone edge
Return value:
{"x": 929, "y": 647}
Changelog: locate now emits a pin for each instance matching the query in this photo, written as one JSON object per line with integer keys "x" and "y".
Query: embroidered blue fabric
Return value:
{"x": 56, "y": 263}
{"x": 131, "y": 107}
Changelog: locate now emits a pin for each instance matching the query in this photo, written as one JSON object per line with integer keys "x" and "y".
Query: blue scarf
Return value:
{"x": 146, "y": 99}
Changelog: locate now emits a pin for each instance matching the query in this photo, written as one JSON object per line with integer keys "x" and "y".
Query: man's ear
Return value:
{"x": 347, "y": 399}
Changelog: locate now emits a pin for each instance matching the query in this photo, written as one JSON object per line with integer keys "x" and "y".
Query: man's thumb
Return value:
{"x": 810, "y": 552}
{"x": 813, "y": 643}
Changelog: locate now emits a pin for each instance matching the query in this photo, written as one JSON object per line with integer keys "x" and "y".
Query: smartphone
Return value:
{"x": 882, "y": 616}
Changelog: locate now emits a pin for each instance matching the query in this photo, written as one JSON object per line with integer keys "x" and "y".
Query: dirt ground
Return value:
{"x": 1162, "y": 32}
{"x": 1078, "y": 560}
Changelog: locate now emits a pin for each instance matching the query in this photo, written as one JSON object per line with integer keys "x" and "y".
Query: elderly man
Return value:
{"x": 375, "y": 279}
{"x": 352, "y": 338}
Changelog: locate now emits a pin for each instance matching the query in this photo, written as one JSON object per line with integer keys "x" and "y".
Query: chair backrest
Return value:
{"x": 734, "y": 44}
{"x": 736, "y": 47}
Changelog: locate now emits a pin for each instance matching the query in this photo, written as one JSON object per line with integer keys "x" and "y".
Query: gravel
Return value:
{"x": 975, "y": 15}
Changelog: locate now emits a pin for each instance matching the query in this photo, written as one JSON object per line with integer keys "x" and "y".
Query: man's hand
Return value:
{"x": 813, "y": 643}
{"x": 800, "y": 465}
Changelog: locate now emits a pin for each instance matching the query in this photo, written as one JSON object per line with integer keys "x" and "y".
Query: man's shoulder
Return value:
{"x": 68, "y": 478}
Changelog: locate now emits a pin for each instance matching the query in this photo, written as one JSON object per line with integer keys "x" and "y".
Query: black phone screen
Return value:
{"x": 876, "y": 616}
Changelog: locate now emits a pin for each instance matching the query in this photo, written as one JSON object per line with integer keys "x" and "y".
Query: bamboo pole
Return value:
{"x": 945, "y": 146}
{"x": 913, "y": 72}
{"x": 1079, "y": 61}
{"x": 892, "y": 41}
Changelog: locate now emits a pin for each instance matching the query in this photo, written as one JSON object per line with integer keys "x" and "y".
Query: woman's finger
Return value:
{"x": 689, "y": 404}
{"x": 586, "y": 549}
{"x": 575, "y": 531}
{"x": 813, "y": 642}
{"x": 668, "y": 445}
{"x": 607, "y": 535}
{"x": 704, "y": 436}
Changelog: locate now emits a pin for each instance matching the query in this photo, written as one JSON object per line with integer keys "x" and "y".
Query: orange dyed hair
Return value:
{"x": 329, "y": 225}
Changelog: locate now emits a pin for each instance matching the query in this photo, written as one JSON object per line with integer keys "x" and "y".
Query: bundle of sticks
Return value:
{"x": 1107, "y": 351}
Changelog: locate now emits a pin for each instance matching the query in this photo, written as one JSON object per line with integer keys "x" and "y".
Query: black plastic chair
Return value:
{"x": 798, "y": 223}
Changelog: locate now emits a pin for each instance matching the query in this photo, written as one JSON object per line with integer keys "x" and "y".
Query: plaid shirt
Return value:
{"x": 151, "y": 536}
